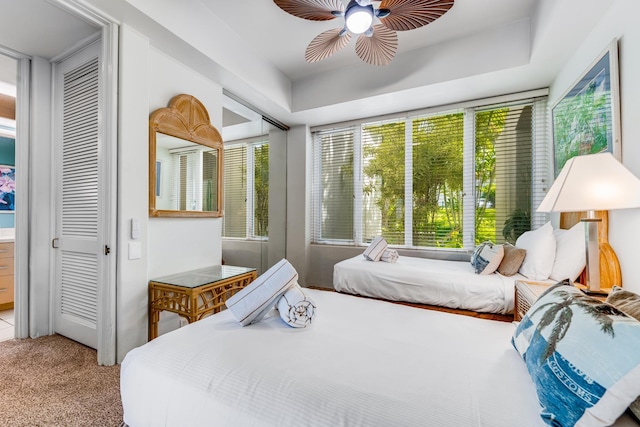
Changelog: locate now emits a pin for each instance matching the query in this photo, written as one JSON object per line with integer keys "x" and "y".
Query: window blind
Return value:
{"x": 542, "y": 173}
{"x": 191, "y": 179}
{"x": 246, "y": 191}
{"x": 503, "y": 172}
{"x": 437, "y": 164}
{"x": 235, "y": 192}
{"x": 383, "y": 181}
{"x": 209, "y": 180}
{"x": 333, "y": 186}
{"x": 260, "y": 190}
{"x": 446, "y": 180}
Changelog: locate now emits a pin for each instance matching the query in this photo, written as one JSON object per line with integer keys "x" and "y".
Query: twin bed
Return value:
{"x": 455, "y": 285}
{"x": 363, "y": 362}
{"x": 451, "y": 284}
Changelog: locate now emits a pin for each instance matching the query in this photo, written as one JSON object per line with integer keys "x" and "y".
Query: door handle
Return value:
{"x": 54, "y": 243}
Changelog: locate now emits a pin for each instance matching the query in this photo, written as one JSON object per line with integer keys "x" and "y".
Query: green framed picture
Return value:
{"x": 586, "y": 120}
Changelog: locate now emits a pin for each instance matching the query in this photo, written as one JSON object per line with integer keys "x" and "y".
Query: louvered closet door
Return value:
{"x": 80, "y": 250}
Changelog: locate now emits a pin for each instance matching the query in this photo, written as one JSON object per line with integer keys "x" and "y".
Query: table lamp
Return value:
{"x": 592, "y": 183}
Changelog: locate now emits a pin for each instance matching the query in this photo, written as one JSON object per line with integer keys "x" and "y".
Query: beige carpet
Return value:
{"x": 53, "y": 381}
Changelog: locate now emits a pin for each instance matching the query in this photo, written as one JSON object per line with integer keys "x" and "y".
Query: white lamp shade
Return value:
{"x": 592, "y": 182}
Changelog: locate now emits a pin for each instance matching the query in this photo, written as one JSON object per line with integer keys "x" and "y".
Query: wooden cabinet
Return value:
{"x": 6, "y": 275}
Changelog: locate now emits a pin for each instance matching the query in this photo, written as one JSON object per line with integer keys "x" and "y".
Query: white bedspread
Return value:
{"x": 362, "y": 363}
{"x": 452, "y": 284}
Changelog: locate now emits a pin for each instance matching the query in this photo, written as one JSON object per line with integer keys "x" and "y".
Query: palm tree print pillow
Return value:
{"x": 583, "y": 357}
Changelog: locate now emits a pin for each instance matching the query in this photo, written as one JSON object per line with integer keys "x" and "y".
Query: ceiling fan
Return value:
{"x": 377, "y": 43}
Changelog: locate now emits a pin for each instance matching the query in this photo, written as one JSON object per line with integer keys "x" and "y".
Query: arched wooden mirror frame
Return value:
{"x": 185, "y": 118}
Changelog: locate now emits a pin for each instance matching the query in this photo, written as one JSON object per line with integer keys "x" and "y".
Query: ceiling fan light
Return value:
{"x": 358, "y": 19}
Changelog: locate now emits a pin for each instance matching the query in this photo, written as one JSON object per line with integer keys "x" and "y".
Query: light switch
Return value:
{"x": 135, "y": 228}
{"x": 135, "y": 250}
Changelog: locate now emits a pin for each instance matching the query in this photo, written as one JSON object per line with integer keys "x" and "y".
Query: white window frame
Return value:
{"x": 540, "y": 162}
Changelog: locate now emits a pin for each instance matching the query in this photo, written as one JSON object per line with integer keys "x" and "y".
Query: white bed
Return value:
{"x": 451, "y": 284}
{"x": 363, "y": 363}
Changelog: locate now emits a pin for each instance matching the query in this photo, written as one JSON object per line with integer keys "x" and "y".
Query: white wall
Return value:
{"x": 620, "y": 21}
{"x": 182, "y": 244}
{"x": 298, "y": 200}
{"x": 132, "y": 190}
{"x": 148, "y": 80}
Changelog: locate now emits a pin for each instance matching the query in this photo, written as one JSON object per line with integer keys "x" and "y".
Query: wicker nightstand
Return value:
{"x": 527, "y": 292}
{"x": 195, "y": 294}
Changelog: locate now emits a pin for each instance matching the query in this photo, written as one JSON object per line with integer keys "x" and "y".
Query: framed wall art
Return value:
{"x": 586, "y": 119}
{"x": 7, "y": 188}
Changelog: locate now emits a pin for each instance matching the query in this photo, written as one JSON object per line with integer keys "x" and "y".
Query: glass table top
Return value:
{"x": 203, "y": 276}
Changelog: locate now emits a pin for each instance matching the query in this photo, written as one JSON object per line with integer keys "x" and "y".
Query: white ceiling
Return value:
{"x": 38, "y": 28}
{"x": 480, "y": 48}
{"x": 283, "y": 38}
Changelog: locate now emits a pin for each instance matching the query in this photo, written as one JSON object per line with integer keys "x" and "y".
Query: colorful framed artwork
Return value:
{"x": 586, "y": 119}
{"x": 7, "y": 188}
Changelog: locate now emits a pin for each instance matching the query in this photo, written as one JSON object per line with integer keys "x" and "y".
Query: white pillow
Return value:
{"x": 487, "y": 257}
{"x": 540, "y": 245}
{"x": 375, "y": 249}
{"x": 570, "y": 253}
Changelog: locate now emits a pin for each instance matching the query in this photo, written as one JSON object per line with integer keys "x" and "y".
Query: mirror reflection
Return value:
{"x": 185, "y": 161}
{"x": 186, "y": 175}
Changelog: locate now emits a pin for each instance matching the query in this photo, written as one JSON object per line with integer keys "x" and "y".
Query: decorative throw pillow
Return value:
{"x": 629, "y": 303}
{"x": 625, "y": 301}
{"x": 512, "y": 260}
{"x": 541, "y": 252}
{"x": 570, "y": 257}
{"x": 375, "y": 249}
{"x": 582, "y": 355}
{"x": 486, "y": 257}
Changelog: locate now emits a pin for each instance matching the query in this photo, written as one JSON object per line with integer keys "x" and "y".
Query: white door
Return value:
{"x": 79, "y": 240}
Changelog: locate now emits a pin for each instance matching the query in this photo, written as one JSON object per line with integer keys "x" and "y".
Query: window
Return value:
{"x": 337, "y": 185}
{"x": 446, "y": 180}
{"x": 195, "y": 180}
{"x": 246, "y": 191}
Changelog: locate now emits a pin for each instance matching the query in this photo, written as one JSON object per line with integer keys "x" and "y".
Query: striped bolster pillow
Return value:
{"x": 252, "y": 303}
{"x": 376, "y": 249}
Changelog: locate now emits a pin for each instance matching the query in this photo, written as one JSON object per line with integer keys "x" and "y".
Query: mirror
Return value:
{"x": 185, "y": 161}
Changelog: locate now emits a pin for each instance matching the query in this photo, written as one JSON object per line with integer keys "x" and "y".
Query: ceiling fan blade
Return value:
{"x": 314, "y": 10}
{"x": 326, "y": 44}
{"x": 411, "y": 14}
{"x": 380, "y": 48}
